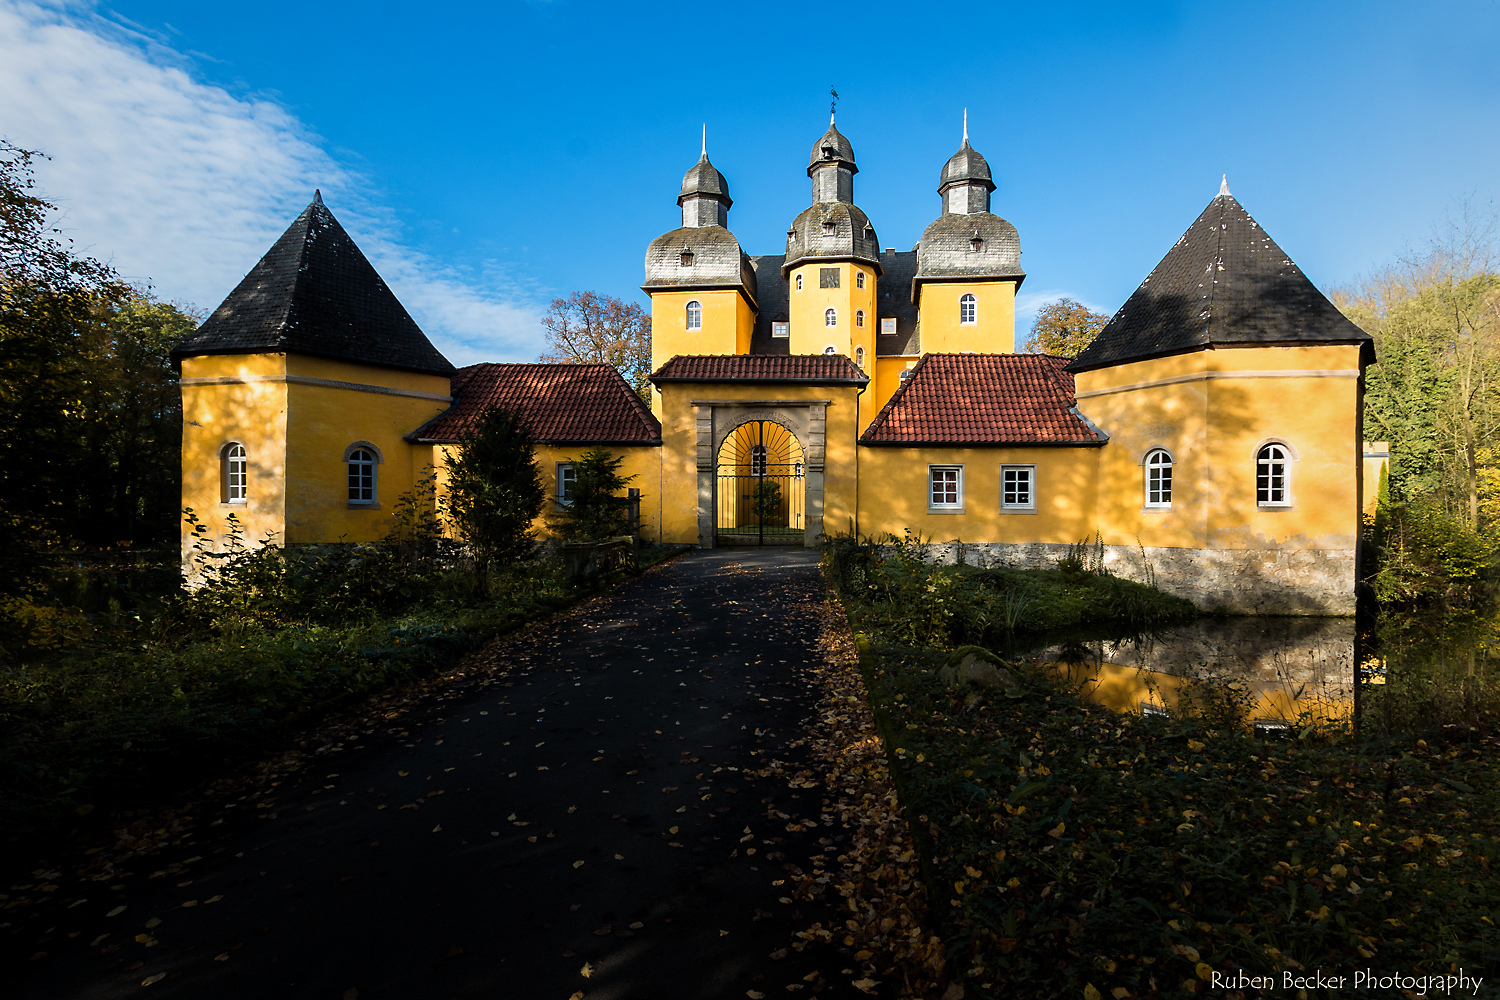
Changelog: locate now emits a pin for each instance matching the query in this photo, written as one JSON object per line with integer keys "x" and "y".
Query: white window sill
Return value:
{"x": 363, "y": 505}
{"x": 1157, "y": 510}
{"x": 234, "y": 503}
{"x": 1274, "y": 508}
{"x": 1018, "y": 510}
{"x": 945, "y": 510}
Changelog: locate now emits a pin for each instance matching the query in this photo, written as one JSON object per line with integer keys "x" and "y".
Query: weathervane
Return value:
{"x": 833, "y": 104}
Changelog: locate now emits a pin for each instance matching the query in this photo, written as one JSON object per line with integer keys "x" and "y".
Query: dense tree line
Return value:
{"x": 90, "y": 418}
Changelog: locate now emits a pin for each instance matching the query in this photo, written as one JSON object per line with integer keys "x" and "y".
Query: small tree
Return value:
{"x": 589, "y": 328}
{"x": 594, "y": 509}
{"x": 495, "y": 492}
{"x": 1064, "y": 328}
{"x": 765, "y": 500}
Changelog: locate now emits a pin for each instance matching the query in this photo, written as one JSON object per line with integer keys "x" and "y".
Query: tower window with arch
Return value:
{"x": 361, "y": 463}
{"x": 859, "y": 318}
{"x": 859, "y": 356}
{"x": 799, "y": 282}
{"x": 859, "y": 280}
{"x": 233, "y": 473}
{"x": 695, "y": 315}
{"x": 1159, "y": 478}
{"x": 968, "y": 310}
{"x": 831, "y": 317}
{"x": 1272, "y": 478}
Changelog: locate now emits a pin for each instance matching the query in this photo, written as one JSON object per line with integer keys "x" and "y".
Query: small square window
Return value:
{"x": 1018, "y": 487}
{"x": 828, "y": 277}
{"x": 888, "y": 326}
{"x": 945, "y": 487}
{"x": 781, "y": 330}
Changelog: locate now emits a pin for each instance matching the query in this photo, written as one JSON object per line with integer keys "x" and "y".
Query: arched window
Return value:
{"x": 830, "y": 349}
{"x": 799, "y": 282}
{"x": 859, "y": 318}
{"x": 859, "y": 356}
{"x": 757, "y": 460}
{"x": 831, "y": 317}
{"x": 1159, "y": 478}
{"x": 1272, "y": 488}
{"x": 968, "y": 310}
{"x": 361, "y": 462}
{"x": 859, "y": 280}
{"x": 694, "y": 315}
{"x": 233, "y": 478}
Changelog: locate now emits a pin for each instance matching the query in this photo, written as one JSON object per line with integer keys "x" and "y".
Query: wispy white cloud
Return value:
{"x": 184, "y": 185}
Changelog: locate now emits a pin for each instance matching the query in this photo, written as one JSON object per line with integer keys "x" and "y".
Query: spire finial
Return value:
{"x": 1224, "y": 186}
{"x": 832, "y": 105}
{"x": 966, "y": 126}
{"x": 705, "y": 138}
{"x": 317, "y": 197}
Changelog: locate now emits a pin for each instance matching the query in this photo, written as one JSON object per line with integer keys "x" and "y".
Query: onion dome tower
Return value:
{"x": 833, "y": 227}
{"x": 701, "y": 284}
{"x": 973, "y": 250}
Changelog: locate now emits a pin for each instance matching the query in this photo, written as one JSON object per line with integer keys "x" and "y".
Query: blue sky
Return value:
{"x": 491, "y": 156}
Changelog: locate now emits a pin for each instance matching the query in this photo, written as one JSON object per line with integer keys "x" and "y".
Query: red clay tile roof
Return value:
{"x": 814, "y": 368}
{"x": 984, "y": 399}
{"x": 560, "y": 404}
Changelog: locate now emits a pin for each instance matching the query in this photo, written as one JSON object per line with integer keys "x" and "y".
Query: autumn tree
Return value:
{"x": 589, "y": 328}
{"x": 1064, "y": 328}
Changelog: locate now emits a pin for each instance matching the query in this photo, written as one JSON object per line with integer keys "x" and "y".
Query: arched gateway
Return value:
{"x": 761, "y": 487}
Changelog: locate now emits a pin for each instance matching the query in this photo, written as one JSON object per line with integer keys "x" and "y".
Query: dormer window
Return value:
{"x": 791, "y": 235}
{"x": 976, "y": 241}
{"x": 888, "y": 326}
{"x": 869, "y": 231}
{"x": 828, "y": 227}
{"x": 829, "y": 152}
{"x": 685, "y": 258}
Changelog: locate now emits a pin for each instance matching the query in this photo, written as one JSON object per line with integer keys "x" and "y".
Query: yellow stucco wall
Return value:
{"x": 727, "y": 324}
{"x": 994, "y": 329}
{"x": 894, "y": 497}
{"x": 809, "y": 332}
{"x": 884, "y": 381}
{"x": 1306, "y": 397}
{"x": 296, "y": 435}
{"x": 641, "y": 461}
{"x": 679, "y": 479}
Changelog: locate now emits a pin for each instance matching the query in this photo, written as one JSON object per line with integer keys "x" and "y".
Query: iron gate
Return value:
{"x": 761, "y": 487}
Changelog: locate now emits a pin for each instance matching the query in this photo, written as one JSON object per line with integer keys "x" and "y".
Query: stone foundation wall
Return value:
{"x": 1226, "y": 581}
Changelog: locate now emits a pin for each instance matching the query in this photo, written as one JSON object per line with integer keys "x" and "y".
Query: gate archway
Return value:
{"x": 761, "y": 495}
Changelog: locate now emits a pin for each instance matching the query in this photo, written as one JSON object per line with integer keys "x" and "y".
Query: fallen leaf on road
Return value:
{"x": 672, "y": 829}
{"x": 115, "y": 912}
{"x": 778, "y": 954}
{"x": 352, "y": 993}
{"x": 438, "y": 828}
{"x": 212, "y": 899}
{"x": 577, "y": 996}
{"x": 868, "y": 985}
{"x": 754, "y": 994}
{"x": 619, "y": 857}
{"x": 586, "y": 971}
{"x": 403, "y": 773}
{"x": 223, "y": 956}
{"x": 153, "y": 979}
{"x": 153, "y": 922}
{"x": 578, "y": 864}
{"x": 637, "y": 926}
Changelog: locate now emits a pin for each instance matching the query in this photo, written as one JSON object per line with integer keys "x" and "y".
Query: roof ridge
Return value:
{"x": 1216, "y": 266}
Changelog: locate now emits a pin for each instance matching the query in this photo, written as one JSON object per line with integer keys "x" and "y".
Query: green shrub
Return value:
{"x": 595, "y": 509}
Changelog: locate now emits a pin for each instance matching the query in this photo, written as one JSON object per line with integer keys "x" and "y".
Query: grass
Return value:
{"x": 1072, "y": 851}
{"x": 110, "y": 712}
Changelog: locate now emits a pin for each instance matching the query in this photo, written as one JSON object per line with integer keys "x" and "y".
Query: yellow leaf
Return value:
{"x": 1205, "y": 971}
{"x": 1119, "y": 993}
{"x": 578, "y": 864}
{"x": 115, "y": 912}
{"x": 1058, "y": 830}
{"x": 1338, "y": 871}
{"x": 1195, "y": 745}
{"x": 577, "y": 996}
{"x": 1091, "y": 993}
{"x": 153, "y": 979}
{"x": 810, "y": 976}
{"x": 673, "y": 829}
{"x": 222, "y": 957}
{"x": 586, "y": 971}
{"x": 754, "y": 994}
{"x": 403, "y": 773}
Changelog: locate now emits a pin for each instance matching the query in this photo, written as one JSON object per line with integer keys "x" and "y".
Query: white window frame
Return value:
{"x": 1012, "y": 506}
{"x": 859, "y": 279}
{"x": 830, "y": 314}
{"x": 373, "y": 462}
{"x": 234, "y": 473}
{"x": 945, "y": 507}
{"x": 1149, "y": 466}
{"x": 694, "y": 315}
{"x": 968, "y": 309}
{"x": 831, "y": 349}
{"x": 781, "y": 329}
{"x": 859, "y": 318}
{"x": 1285, "y": 459}
{"x": 859, "y": 357}
{"x": 759, "y": 457}
{"x": 888, "y": 326}
{"x": 567, "y": 476}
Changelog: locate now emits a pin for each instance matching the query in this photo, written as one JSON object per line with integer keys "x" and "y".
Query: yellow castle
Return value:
{"x": 1210, "y": 437}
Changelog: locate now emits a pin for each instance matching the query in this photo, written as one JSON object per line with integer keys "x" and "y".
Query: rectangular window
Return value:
{"x": 1018, "y": 487}
{"x": 945, "y": 487}
{"x": 828, "y": 277}
{"x": 566, "y": 477}
{"x": 781, "y": 330}
{"x": 888, "y": 327}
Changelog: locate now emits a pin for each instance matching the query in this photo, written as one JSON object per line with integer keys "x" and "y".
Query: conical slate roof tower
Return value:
{"x": 1225, "y": 282}
{"x": 315, "y": 293}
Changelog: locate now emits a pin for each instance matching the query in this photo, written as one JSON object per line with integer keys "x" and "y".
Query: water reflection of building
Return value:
{"x": 1287, "y": 667}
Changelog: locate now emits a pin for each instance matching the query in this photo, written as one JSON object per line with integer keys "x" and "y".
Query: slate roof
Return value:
{"x": 894, "y": 301}
{"x": 703, "y": 178}
{"x": 831, "y": 147}
{"x": 815, "y": 369}
{"x": 717, "y": 261}
{"x": 946, "y": 250}
{"x": 832, "y": 230}
{"x": 558, "y": 403}
{"x": 966, "y": 165}
{"x": 984, "y": 399}
{"x": 772, "y": 296}
{"x": 1224, "y": 282}
{"x": 314, "y": 293}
